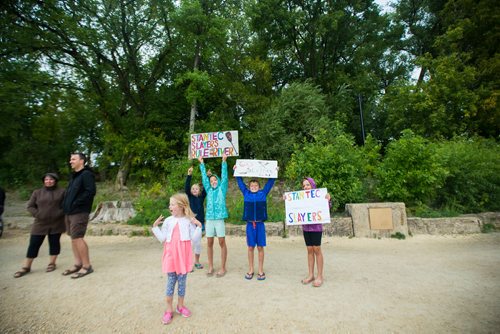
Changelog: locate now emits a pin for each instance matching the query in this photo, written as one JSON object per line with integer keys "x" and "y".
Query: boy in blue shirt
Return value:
{"x": 255, "y": 213}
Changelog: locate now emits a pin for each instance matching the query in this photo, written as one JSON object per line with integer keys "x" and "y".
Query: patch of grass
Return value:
{"x": 425, "y": 211}
{"x": 398, "y": 235}
{"x": 488, "y": 228}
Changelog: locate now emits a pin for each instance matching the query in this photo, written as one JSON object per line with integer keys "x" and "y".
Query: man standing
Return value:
{"x": 77, "y": 205}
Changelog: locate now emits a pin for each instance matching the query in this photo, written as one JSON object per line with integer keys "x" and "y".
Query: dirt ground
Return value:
{"x": 420, "y": 285}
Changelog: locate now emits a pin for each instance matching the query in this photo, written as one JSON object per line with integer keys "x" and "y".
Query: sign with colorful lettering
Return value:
{"x": 307, "y": 207}
{"x": 256, "y": 168}
{"x": 213, "y": 144}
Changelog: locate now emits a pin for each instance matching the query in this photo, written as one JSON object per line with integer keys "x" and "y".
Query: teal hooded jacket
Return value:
{"x": 216, "y": 197}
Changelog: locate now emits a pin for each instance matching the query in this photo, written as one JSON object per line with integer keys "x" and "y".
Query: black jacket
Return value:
{"x": 196, "y": 202}
{"x": 80, "y": 192}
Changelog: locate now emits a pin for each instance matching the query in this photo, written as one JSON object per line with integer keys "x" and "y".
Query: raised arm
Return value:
{"x": 241, "y": 184}
{"x": 224, "y": 179}
{"x": 204, "y": 178}
{"x": 269, "y": 186}
{"x": 187, "y": 183}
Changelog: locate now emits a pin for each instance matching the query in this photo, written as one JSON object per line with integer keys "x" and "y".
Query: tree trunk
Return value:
{"x": 123, "y": 171}
{"x": 194, "y": 105}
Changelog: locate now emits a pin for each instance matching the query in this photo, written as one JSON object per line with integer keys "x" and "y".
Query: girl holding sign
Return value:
{"x": 312, "y": 237}
{"x": 215, "y": 214}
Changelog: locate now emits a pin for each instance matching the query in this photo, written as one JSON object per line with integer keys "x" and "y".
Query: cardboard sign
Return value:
{"x": 214, "y": 144}
{"x": 307, "y": 207}
{"x": 256, "y": 168}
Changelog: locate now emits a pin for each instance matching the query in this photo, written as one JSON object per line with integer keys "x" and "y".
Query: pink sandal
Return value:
{"x": 167, "y": 318}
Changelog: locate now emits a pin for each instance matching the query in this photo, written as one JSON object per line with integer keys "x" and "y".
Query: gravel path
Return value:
{"x": 420, "y": 285}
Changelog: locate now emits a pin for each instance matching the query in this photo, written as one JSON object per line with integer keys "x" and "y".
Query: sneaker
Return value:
{"x": 184, "y": 311}
{"x": 167, "y": 318}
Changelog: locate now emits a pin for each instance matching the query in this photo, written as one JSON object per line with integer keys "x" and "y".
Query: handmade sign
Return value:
{"x": 256, "y": 168}
{"x": 307, "y": 207}
{"x": 213, "y": 144}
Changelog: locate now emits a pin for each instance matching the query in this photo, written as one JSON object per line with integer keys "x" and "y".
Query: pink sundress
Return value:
{"x": 177, "y": 255}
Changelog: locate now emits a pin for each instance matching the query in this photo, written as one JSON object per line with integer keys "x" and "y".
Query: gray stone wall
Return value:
{"x": 443, "y": 226}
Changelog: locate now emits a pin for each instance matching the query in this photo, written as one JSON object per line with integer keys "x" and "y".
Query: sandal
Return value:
{"x": 22, "y": 272}
{"x": 198, "y": 266}
{"x": 88, "y": 270}
{"x": 50, "y": 267}
{"x": 73, "y": 270}
{"x": 249, "y": 276}
{"x": 210, "y": 273}
{"x": 261, "y": 277}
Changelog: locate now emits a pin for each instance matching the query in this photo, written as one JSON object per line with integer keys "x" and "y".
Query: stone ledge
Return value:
{"x": 444, "y": 226}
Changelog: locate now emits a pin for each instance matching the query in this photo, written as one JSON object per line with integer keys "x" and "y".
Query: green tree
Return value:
{"x": 120, "y": 50}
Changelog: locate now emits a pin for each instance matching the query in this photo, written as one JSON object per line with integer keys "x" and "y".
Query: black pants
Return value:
{"x": 36, "y": 242}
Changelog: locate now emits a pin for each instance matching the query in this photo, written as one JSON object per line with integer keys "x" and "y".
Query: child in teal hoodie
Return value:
{"x": 215, "y": 214}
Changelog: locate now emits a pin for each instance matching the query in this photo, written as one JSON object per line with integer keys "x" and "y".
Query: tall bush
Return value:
{"x": 411, "y": 171}
{"x": 334, "y": 162}
{"x": 473, "y": 182}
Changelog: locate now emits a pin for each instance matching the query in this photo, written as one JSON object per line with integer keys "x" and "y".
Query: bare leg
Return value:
{"x": 319, "y": 263}
{"x": 53, "y": 259}
{"x": 223, "y": 255}
{"x": 260, "y": 249}
{"x": 170, "y": 306}
{"x": 310, "y": 265}
{"x": 250, "y": 259}
{"x": 76, "y": 254}
{"x": 180, "y": 302}
{"x": 210, "y": 254}
{"x": 82, "y": 250}
{"x": 28, "y": 262}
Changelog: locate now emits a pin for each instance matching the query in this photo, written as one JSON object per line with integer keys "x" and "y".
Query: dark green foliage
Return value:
{"x": 473, "y": 180}
{"x": 398, "y": 235}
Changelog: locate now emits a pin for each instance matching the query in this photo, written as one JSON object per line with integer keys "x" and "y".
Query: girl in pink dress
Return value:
{"x": 177, "y": 259}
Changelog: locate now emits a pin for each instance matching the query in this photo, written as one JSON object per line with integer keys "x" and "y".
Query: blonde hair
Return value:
{"x": 183, "y": 201}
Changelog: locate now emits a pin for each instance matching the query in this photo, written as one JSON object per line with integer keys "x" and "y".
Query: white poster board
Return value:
{"x": 256, "y": 168}
{"x": 307, "y": 207}
{"x": 213, "y": 144}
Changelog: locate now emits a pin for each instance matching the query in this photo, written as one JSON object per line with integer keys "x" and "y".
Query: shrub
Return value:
{"x": 410, "y": 172}
{"x": 152, "y": 201}
{"x": 473, "y": 182}
{"x": 335, "y": 163}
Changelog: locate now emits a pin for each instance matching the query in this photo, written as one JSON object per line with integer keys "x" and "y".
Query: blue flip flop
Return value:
{"x": 249, "y": 276}
{"x": 261, "y": 277}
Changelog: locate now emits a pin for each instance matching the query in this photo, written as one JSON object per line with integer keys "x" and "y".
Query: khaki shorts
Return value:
{"x": 76, "y": 225}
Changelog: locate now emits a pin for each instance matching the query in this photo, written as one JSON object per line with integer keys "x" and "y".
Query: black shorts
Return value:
{"x": 312, "y": 238}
